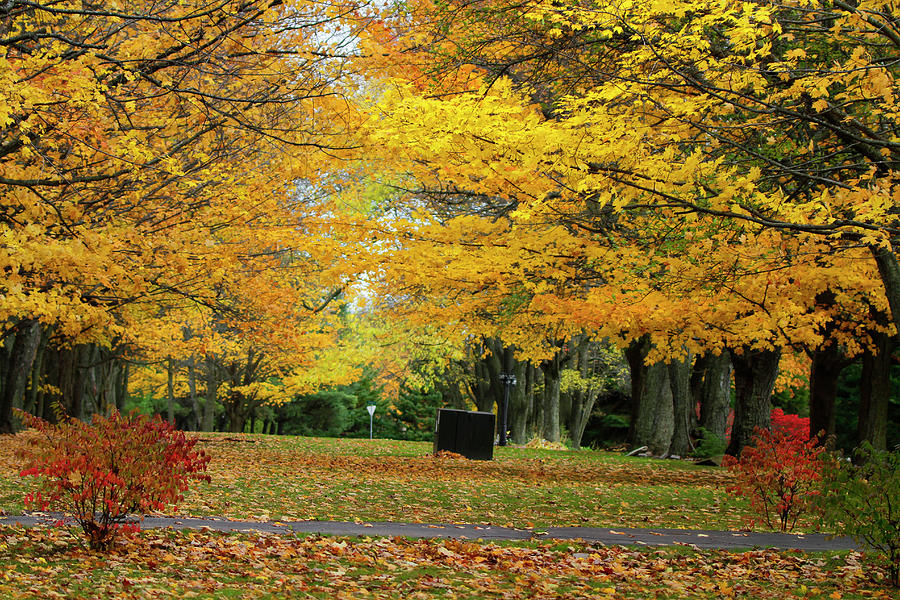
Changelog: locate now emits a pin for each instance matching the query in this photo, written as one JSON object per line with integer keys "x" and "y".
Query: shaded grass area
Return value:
{"x": 50, "y": 563}
{"x": 293, "y": 478}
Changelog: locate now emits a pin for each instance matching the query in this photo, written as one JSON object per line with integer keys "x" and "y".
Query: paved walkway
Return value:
{"x": 726, "y": 540}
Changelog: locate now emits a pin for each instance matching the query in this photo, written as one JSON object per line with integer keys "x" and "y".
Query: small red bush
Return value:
{"x": 792, "y": 425}
{"x": 99, "y": 472}
{"x": 779, "y": 475}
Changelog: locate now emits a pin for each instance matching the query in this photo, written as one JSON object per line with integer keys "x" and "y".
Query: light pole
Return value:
{"x": 371, "y": 409}
{"x": 508, "y": 380}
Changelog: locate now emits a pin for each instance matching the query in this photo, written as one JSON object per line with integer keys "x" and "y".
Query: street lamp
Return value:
{"x": 508, "y": 380}
{"x": 371, "y": 409}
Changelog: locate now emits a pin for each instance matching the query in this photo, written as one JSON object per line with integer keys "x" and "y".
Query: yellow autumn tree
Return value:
{"x": 758, "y": 139}
{"x": 158, "y": 173}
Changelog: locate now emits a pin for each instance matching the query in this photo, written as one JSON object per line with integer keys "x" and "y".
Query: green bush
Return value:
{"x": 862, "y": 500}
{"x": 709, "y": 445}
{"x": 415, "y": 412}
{"x": 325, "y": 413}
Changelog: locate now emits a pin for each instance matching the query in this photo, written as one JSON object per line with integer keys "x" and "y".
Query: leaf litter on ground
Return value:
{"x": 51, "y": 563}
{"x": 269, "y": 477}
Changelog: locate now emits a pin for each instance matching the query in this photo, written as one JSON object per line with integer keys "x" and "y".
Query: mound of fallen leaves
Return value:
{"x": 49, "y": 563}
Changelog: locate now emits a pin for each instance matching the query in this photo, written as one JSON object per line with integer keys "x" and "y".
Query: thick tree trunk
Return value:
{"x": 827, "y": 364}
{"x": 92, "y": 383}
{"x": 682, "y": 406}
{"x": 497, "y": 362}
{"x": 755, "y": 372}
{"x": 71, "y": 381}
{"x": 481, "y": 389}
{"x": 237, "y": 417}
{"x": 889, "y": 270}
{"x": 22, "y": 353}
{"x": 634, "y": 355}
{"x": 875, "y": 394}
{"x": 715, "y": 393}
{"x": 551, "y": 369}
{"x": 531, "y": 375}
{"x": 653, "y": 417}
{"x": 110, "y": 384}
{"x": 656, "y": 419}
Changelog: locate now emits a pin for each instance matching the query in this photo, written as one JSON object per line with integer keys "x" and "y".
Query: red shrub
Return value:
{"x": 778, "y": 474}
{"x": 101, "y": 471}
{"x": 792, "y": 425}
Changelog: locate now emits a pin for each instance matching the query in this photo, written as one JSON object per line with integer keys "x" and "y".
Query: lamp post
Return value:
{"x": 508, "y": 380}
{"x": 371, "y": 409}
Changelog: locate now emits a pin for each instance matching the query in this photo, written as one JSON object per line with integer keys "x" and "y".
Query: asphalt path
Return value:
{"x": 725, "y": 540}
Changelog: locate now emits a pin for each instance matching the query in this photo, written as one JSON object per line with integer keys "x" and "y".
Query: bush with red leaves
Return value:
{"x": 779, "y": 473}
{"x": 99, "y": 472}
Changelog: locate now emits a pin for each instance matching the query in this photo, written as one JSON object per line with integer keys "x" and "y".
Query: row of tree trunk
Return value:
{"x": 671, "y": 402}
{"x": 37, "y": 371}
{"x": 537, "y": 406}
{"x": 666, "y": 397}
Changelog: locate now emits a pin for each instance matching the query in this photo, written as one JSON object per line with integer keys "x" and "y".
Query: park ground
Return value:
{"x": 288, "y": 479}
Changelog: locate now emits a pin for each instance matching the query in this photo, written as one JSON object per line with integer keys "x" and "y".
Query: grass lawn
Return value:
{"x": 285, "y": 478}
{"x": 290, "y": 478}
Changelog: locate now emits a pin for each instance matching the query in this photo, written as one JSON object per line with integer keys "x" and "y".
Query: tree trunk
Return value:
{"x": 537, "y": 403}
{"x": 212, "y": 392}
{"x": 33, "y": 394}
{"x": 111, "y": 371}
{"x": 502, "y": 360}
{"x": 481, "y": 389}
{"x": 827, "y": 364}
{"x": 652, "y": 408}
{"x": 656, "y": 419}
{"x": 122, "y": 385}
{"x": 495, "y": 363}
{"x": 755, "y": 372}
{"x": 551, "y": 369}
{"x": 70, "y": 380}
{"x": 634, "y": 355}
{"x": 583, "y": 398}
{"x": 518, "y": 403}
{"x": 192, "y": 391}
{"x": 875, "y": 393}
{"x": 682, "y": 406}
{"x": 715, "y": 393}
{"x": 170, "y": 391}
{"x": 889, "y": 270}
{"x": 234, "y": 411}
{"x": 21, "y": 359}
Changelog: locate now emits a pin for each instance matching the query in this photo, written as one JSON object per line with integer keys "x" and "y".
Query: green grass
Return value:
{"x": 327, "y": 479}
{"x": 292, "y": 478}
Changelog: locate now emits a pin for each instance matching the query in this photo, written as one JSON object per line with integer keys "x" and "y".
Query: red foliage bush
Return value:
{"x": 792, "y": 425}
{"x": 779, "y": 475}
{"x": 104, "y": 470}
